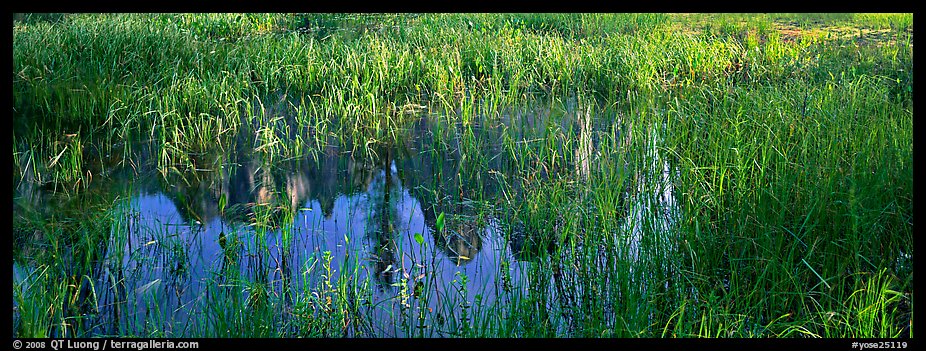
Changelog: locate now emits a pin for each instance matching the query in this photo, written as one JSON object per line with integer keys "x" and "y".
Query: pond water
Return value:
{"x": 405, "y": 232}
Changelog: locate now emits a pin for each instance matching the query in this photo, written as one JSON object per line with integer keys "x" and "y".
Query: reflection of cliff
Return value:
{"x": 443, "y": 181}
{"x": 246, "y": 183}
{"x": 461, "y": 239}
{"x": 439, "y": 178}
{"x": 235, "y": 195}
{"x": 460, "y": 172}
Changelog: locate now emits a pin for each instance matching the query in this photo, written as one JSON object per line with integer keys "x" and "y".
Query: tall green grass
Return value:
{"x": 789, "y": 157}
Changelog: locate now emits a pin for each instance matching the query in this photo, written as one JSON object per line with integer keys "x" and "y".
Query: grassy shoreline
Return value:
{"x": 789, "y": 139}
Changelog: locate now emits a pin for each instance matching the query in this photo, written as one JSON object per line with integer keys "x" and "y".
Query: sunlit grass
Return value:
{"x": 783, "y": 140}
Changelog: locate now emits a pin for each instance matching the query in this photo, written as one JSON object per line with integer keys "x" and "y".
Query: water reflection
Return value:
{"x": 442, "y": 183}
{"x": 243, "y": 228}
{"x": 231, "y": 192}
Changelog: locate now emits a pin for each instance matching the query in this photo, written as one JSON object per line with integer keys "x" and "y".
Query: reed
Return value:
{"x": 648, "y": 175}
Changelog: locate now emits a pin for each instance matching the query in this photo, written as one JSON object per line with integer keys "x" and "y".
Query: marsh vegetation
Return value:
{"x": 462, "y": 175}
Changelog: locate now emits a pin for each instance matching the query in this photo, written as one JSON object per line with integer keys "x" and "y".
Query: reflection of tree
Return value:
{"x": 381, "y": 226}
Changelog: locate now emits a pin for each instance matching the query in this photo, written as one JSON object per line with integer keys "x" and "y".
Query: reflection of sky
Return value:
{"x": 171, "y": 268}
{"x": 159, "y": 238}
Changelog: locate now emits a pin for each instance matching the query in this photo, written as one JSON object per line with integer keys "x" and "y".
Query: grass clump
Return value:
{"x": 652, "y": 175}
